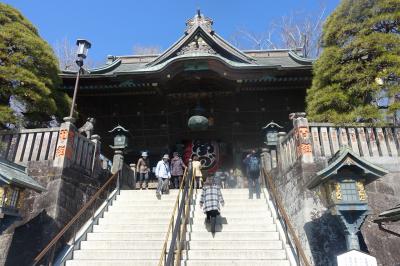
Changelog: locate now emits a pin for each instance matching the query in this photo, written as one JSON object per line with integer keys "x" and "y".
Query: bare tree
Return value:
{"x": 65, "y": 50}
{"x": 146, "y": 50}
{"x": 293, "y": 31}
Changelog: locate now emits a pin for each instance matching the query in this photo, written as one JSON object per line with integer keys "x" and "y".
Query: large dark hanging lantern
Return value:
{"x": 198, "y": 121}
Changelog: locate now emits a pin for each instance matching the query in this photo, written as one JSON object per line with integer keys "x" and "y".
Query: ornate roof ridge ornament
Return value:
{"x": 199, "y": 20}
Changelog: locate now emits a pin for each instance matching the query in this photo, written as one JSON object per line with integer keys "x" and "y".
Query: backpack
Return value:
{"x": 254, "y": 165}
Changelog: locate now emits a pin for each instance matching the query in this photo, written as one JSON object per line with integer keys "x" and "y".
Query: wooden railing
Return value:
{"x": 27, "y": 145}
{"x": 68, "y": 233}
{"x": 282, "y": 216}
{"x": 363, "y": 140}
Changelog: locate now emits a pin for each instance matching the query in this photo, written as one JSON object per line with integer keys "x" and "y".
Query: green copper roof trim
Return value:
{"x": 99, "y": 70}
{"x": 300, "y": 59}
{"x": 11, "y": 173}
{"x": 345, "y": 156}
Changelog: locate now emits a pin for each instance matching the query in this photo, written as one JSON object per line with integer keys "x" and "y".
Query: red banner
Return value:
{"x": 207, "y": 151}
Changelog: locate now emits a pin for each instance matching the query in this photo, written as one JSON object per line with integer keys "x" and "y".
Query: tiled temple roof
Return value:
{"x": 201, "y": 42}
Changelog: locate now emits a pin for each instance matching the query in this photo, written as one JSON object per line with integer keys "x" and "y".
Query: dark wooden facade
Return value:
{"x": 153, "y": 95}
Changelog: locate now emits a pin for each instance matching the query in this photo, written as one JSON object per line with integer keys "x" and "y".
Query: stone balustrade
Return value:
{"x": 24, "y": 145}
{"x": 63, "y": 146}
{"x": 363, "y": 140}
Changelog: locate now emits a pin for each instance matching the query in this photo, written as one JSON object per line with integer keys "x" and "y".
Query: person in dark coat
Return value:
{"x": 252, "y": 163}
{"x": 177, "y": 167}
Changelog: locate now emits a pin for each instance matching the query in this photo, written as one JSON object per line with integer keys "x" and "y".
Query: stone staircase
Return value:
{"x": 132, "y": 231}
{"x": 246, "y": 234}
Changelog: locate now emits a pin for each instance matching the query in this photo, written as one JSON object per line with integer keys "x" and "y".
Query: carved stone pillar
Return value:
{"x": 65, "y": 144}
{"x": 302, "y": 137}
{"x": 96, "y": 154}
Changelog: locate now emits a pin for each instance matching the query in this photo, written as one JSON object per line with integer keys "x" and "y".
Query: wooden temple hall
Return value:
{"x": 235, "y": 93}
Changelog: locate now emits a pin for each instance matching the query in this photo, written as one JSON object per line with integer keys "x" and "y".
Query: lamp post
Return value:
{"x": 83, "y": 47}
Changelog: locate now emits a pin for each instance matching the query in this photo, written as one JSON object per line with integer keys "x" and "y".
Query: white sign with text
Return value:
{"x": 356, "y": 258}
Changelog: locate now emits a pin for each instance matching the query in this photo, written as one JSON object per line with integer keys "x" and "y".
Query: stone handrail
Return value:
{"x": 24, "y": 145}
{"x": 287, "y": 151}
{"x": 364, "y": 140}
{"x": 63, "y": 146}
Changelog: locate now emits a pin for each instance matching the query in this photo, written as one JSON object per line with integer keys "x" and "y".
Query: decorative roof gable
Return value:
{"x": 200, "y": 39}
{"x": 345, "y": 157}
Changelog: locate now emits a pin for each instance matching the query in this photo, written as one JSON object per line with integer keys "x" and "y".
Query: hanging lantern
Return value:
{"x": 198, "y": 121}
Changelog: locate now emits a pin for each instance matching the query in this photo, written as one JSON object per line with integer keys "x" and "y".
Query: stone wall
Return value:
{"x": 382, "y": 195}
{"x": 320, "y": 233}
{"x": 46, "y": 213}
{"x": 303, "y": 152}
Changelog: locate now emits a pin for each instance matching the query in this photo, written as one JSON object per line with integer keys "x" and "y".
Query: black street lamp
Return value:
{"x": 83, "y": 47}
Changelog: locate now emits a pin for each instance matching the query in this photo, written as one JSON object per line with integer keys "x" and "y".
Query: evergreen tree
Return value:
{"x": 359, "y": 64}
{"x": 28, "y": 74}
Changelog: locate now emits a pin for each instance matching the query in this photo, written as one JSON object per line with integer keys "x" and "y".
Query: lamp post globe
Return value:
{"x": 83, "y": 47}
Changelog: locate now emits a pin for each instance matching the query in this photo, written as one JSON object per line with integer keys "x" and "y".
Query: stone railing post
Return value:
{"x": 266, "y": 159}
{"x": 64, "y": 150}
{"x": 96, "y": 154}
{"x": 302, "y": 137}
{"x": 118, "y": 161}
{"x": 281, "y": 152}
{"x": 133, "y": 168}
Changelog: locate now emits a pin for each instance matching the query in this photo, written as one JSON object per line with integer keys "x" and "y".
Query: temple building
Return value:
{"x": 154, "y": 96}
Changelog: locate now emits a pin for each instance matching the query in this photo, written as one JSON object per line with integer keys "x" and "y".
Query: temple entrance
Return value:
{"x": 154, "y": 96}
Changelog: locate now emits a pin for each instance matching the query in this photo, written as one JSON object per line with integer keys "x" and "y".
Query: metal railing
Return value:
{"x": 178, "y": 222}
{"x": 291, "y": 236}
{"x": 68, "y": 234}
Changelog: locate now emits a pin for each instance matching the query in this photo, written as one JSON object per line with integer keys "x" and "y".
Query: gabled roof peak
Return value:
{"x": 199, "y": 20}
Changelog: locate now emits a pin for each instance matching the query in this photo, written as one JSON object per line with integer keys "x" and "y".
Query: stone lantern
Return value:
{"x": 120, "y": 138}
{"x": 120, "y": 144}
{"x": 13, "y": 183}
{"x": 271, "y": 134}
{"x": 342, "y": 183}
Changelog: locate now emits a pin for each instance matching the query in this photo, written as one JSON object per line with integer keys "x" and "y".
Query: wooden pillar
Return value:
{"x": 303, "y": 137}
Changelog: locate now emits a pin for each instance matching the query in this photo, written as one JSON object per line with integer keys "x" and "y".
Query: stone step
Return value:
{"x": 143, "y": 203}
{"x": 151, "y": 203}
{"x": 233, "y": 236}
{"x": 235, "y": 254}
{"x": 127, "y": 236}
{"x": 233, "y": 220}
{"x": 243, "y": 197}
{"x": 234, "y": 245}
{"x": 122, "y": 245}
{"x": 152, "y": 254}
{"x": 132, "y": 228}
{"x": 118, "y": 220}
{"x": 108, "y": 262}
{"x": 230, "y": 214}
{"x": 133, "y": 214}
{"x": 248, "y": 262}
{"x": 138, "y": 208}
{"x": 233, "y": 228}
{"x": 248, "y": 208}
{"x": 151, "y": 198}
